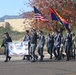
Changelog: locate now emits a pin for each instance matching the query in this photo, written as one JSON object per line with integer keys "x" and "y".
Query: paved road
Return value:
{"x": 17, "y": 66}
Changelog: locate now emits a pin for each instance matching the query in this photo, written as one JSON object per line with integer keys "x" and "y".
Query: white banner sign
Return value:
{"x": 18, "y": 48}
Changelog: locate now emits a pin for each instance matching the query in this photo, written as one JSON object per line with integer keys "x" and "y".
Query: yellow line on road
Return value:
{"x": 70, "y": 74}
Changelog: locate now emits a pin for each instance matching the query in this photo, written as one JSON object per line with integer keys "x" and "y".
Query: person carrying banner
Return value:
{"x": 41, "y": 45}
{"x": 6, "y": 39}
{"x": 34, "y": 45}
{"x": 27, "y": 38}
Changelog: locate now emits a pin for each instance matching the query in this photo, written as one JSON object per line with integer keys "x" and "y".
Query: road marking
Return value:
{"x": 70, "y": 74}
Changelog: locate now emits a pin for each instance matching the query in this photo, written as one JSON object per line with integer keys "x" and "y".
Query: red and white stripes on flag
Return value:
{"x": 38, "y": 15}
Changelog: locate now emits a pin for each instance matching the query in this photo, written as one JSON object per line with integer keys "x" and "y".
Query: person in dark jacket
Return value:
{"x": 34, "y": 45}
{"x": 68, "y": 44}
{"x": 50, "y": 44}
{"x": 57, "y": 44}
{"x": 6, "y": 39}
{"x": 27, "y": 38}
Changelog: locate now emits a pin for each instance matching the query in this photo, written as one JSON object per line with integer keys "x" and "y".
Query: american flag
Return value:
{"x": 38, "y": 15}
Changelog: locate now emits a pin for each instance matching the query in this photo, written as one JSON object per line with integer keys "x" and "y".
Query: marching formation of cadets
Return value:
{"x": 56, "y": 44}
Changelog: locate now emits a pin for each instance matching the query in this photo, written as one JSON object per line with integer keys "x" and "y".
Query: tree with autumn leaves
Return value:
{"x": 66, "y": 9}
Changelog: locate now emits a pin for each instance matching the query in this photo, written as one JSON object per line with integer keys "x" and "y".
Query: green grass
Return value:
{"x": 1, "y": 49}
{"x": 0, "y": 41}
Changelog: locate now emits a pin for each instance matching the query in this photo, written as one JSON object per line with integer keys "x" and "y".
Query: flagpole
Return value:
{"x": 36, "y": 24}
{"x": 56, "y": 25}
